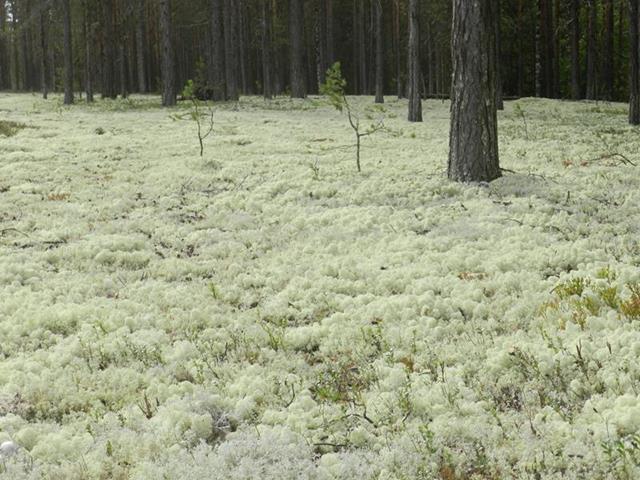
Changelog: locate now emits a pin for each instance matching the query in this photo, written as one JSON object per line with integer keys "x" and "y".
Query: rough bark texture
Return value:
{"x": 473, "y": 154}
{"x": 592, "y": 81}
{"x": 322, "y": 64}
{"x": 634, "y": 38}
{"x": 379, "y": 53}
{"x": 497, "y": 59}
{"x": 68, "y": 54}
{"x": 415, "y": 102}
{"x": 217, "y": 73}
{"x": 397, "y": 47}
{"x": 168, "y": 59}
{"x": 575, "y": 50}
{"x": 296, "y": 38}
{"x": 230, "y": 47}
{"x": 267, "y": 84}
{"x": 108, "y": 51}
{"x": 141, "y": 47}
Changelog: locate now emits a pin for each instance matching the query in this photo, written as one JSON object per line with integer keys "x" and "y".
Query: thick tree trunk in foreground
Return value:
{"x": 68, "y": 54}
{"x": 168, "y": 59}
{"x": 379, "y": 53}
{"x": 296, "y": 37}
{"x": 415, "y": 102}
{"x": 473, "y": 154}
{"x": 634, "y": 38}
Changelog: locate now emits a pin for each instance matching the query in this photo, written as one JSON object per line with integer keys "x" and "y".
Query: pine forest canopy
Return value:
{"x": 550, "y": 48}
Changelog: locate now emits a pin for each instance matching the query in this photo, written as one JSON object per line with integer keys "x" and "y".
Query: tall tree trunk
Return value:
{"x": 608, "y": 50}
{"x": 296, "y": 35}
{"x": 68, "y": 54}
{"x": 168, "y": 55}
{"x": 321, "y": 40}
{"x": 397, "y": 47}
{"x": 87, "y": 31}
{"x": 575, "y": 50}
{"x": 241, "y": 28}
{"x": 362, "y": 54}
{"x": 230, "y": 48}
{"x": 592, "y": 81}
{"x": 124, "y": 91}
{"x": 267, "y": 85}
{"x": 497, "y": 57}
{"x": 44, "y": 12}
{"x": 217, "y": 74}
{"x": 473, "y": 154}
{"x": 108, "y": 58}
{"x": 415, "y": 102}
{"x": 379, "y": 53}
{"x": 634, "y": 39}
{"x": 331, "y": 58}
{"x": 141, "y": 47}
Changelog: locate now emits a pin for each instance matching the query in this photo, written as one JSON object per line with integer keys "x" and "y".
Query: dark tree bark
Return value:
{"x": 168, "y": 55}
{"x": 267, "y": 85}
{"x": 217, "y": 74}
{"x": 296, "y": 38}
{"x": 331, "y": 58}
{"x": 124, "y": 91}
{"x": 575, "y": 50}
{"x": 397, "y": 47}
{"x": 592, "y": 81}
{"x": 634, "y": 39}
{"x": 497, "y": 58}
{"x": 108, "y": 50}
{"x": 230, "y": 48}
{"x": 87, "y": 30}
{"x": 608, "y": 64}
{"x": 68, "y": 54}
{"x": 44, "y": 12}
{"x": 379, "y": 53}
{"x": 141, "y": 47}
{"x": 321, "y": 40}
{"x": 473, "y": 154}
{"x": 415, "y": 102}
{"x": 360, "y": 42}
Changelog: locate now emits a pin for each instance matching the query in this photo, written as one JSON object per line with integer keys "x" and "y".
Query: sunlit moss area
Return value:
{"x": 267, "y": 312}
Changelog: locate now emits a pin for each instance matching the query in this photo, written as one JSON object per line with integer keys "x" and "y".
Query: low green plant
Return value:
{"x": 334, "y": 89}
{"x": 9, "y": 129}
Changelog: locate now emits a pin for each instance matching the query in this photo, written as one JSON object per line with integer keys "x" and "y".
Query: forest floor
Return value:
{"x": 267, "y": 312}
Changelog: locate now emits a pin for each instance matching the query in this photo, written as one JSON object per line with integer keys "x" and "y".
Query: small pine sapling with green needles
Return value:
{"x": 334, "y": 90}
{"x": 189, "y": 93}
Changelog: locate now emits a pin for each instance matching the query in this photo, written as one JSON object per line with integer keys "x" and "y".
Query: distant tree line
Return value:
{"x": 547, "y": 48}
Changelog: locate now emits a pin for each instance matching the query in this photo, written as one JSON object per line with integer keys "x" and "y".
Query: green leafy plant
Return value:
{"x": 196, "y": 114}
{"x": 334, "y": 90}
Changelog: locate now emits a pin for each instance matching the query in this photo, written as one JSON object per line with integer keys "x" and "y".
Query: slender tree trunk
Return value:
{"x": 321, "y": 22}
{"x": 43, "y": 53}
{"x": 87, "y": 31}
{"x": 608, "y": 50}
{"x": 634, "y": 39}
{"x": 266, "y": 51}
{"x": 397, "y": 47}
{"x": 379, "y": 53}
{"x": 242, "y": 51}
{"x": 415, "y": 102}
{"x": 473, "y": 154}
{"x": 362, "y": 54}
{"x": 575, "y": 50}
{"x": 296, "y": 35}
{"x": 592, "y": 81}
{"x": 168, "y": 55}
{"x": 68, "y": 54}
{"x": 124, "y": 91}
{"x": 108, "y": 58}
{"x": 331, "y": 58}
{"x": 230, "y": 48}
{"x": 141, "y": 47}
{"x": 217, "y": 71}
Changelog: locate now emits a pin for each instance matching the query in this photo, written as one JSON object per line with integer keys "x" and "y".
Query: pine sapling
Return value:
{"x": 334, "y": 90}
{"x": 189, "y": 93}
